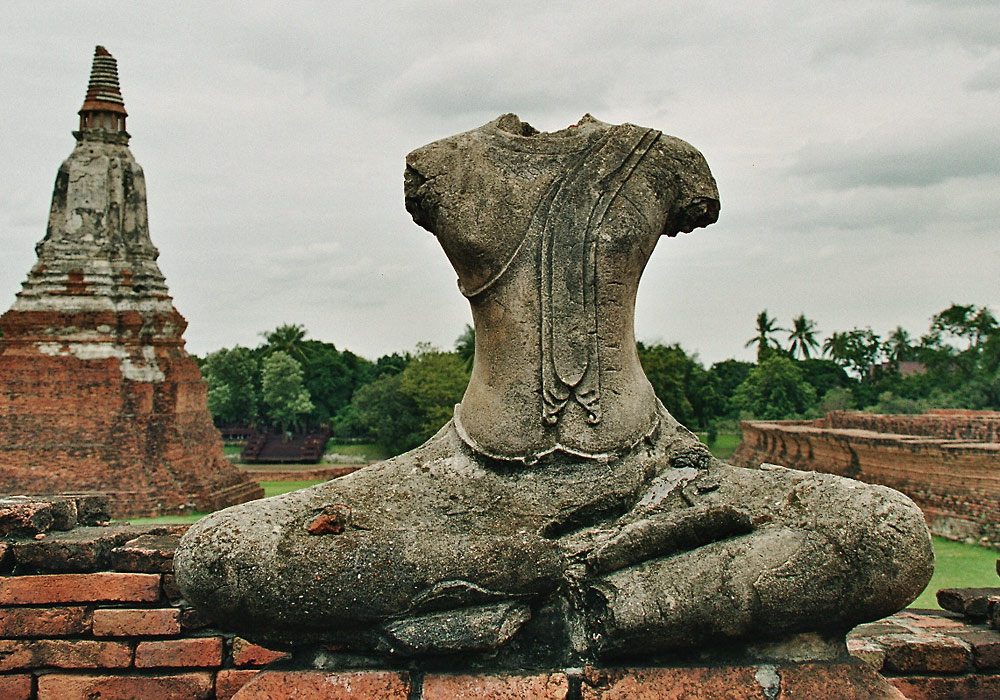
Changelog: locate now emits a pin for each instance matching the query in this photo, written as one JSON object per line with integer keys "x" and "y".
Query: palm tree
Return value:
{"x": 838, "y": 347}
{"x": 802, "y": 336}
{"x": 287, "y": 338}
{"x": 764, "y": 339}
{"x": 465, "y": 346}
{"x": 898, "y": 346}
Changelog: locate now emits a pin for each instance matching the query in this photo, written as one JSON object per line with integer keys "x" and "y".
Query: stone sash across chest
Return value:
{"x": 562, "y": 236}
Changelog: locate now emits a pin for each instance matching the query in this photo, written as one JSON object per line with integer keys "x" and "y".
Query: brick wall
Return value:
{"x": 90, "y": 610}
{"x": 947, "y": 462}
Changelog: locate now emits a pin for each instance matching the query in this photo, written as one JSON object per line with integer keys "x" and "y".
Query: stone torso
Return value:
{"x": 549, "y": 234}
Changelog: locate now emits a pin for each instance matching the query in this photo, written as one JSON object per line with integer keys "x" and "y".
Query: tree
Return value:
{"x": 282, "y": 390}
{"x": 764, "y": 339}
{"x": 465, "y": 346}
{"x": 802, "y": 336}
{"x": 403, "y": 409}
{"x": 898, "y": 346}
{"x": 233, "y": 385}
{"x": 435, "y": 381}
{"x": 775, "y": 389}
{"x": 856, "y": 350}
{"x": 287, "y": 338}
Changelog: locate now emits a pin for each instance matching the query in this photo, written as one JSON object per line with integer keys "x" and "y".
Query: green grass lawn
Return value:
{"x": 725, "y": 444}
{"x": 959, "y": 565}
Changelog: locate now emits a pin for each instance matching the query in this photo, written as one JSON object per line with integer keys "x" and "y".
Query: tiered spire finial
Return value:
{"x": 103, "y": 107}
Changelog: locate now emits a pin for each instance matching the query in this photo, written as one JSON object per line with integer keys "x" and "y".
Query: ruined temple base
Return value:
{"x": 837, "y": 680}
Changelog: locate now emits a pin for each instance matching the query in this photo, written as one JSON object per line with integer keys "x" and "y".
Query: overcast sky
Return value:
{"x": 856, "y": 146}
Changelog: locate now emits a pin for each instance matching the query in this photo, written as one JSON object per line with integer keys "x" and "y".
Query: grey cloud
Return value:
{"x": 901, "y": 159}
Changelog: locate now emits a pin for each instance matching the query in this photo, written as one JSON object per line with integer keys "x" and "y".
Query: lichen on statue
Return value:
{"x": 562, "y": 515}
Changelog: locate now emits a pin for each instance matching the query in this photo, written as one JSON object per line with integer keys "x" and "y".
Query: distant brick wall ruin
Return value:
{"x": 948, "y": 462}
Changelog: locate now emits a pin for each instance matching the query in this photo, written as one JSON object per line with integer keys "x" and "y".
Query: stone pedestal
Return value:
{"x": 837, "y": 680}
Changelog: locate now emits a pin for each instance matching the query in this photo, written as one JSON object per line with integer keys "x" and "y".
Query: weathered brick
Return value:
{"x": 144, "y": 622}
{"x": 326, "y": 685}
{"x": 200, "y": 652}
{"x": 543, "y": 686}
{"x": 972, "y": 602}
{"x": 925, "y": 654}
{"x": 839, "y": 680}
{"x": 79, "y": 588}
{"x": 699, "y": 683}
{"x": 180, "y": 686}
{"x": 148, "y": 553}
{"x": 79, "y": 550}
{"x": 868, "y": 651}
{"x": 971, "y": 687}
{"x": 228, "y": 681}
{"x": 21, "y": 515}
{"x": 249, "y": 654}
{"x": 17, "y": 687}
{"x": 43, "y": 622}
{"x": 63, "y": 653}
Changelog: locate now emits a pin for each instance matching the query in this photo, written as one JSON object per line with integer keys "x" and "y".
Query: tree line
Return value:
{"x": 292, "y": 382}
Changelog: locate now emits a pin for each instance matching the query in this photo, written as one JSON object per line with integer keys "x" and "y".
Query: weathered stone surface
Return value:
{"x": 96, "y": 390}
{"x": 562, "y": 515}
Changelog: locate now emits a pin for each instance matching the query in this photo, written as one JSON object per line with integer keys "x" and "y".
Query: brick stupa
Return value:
{"x": 96, "y": 391}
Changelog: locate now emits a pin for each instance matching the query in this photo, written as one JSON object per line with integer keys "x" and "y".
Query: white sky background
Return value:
{"x": 856, "y": 146}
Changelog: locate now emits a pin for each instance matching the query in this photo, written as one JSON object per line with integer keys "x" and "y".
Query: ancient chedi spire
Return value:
{"x": 96, "y": 390}
{"x": 103, "y": 108}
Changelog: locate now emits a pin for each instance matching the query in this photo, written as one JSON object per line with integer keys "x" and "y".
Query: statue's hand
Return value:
{"x": 664, "y": 534}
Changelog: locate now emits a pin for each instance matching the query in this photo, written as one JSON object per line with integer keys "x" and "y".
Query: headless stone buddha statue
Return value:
{"x": 562, "y": 515}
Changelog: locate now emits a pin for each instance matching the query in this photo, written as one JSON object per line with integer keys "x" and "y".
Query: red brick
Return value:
{"x": 325, "y": 685}
{"x": 201, "y": 652}
{"x": 121, "y": 622}
{"x": 843, "y": 681}
{"x": 63, "y": 653}
{"x": 949, "y": 688}
{"x": 699, "y": 683}
{"x": 229, "y": 681}
{"x": 249, "y": 654}
{"x": 925, "y": 654}
{"x": 15, "y": 687}
{"x": 545, "y": 686}
{"x": 43, "y": 622}
{"x": 79, "y": 588}
{"x": 181, "y": 686}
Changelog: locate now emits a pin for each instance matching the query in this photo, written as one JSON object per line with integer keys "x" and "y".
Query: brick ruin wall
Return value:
{"x": 948, "y": 462}
{"x": 81, "y": 424}
{"x": 90, "y": 610}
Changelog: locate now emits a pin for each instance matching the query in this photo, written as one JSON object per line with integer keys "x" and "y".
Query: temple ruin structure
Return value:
{"x": 97, "y": 393}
